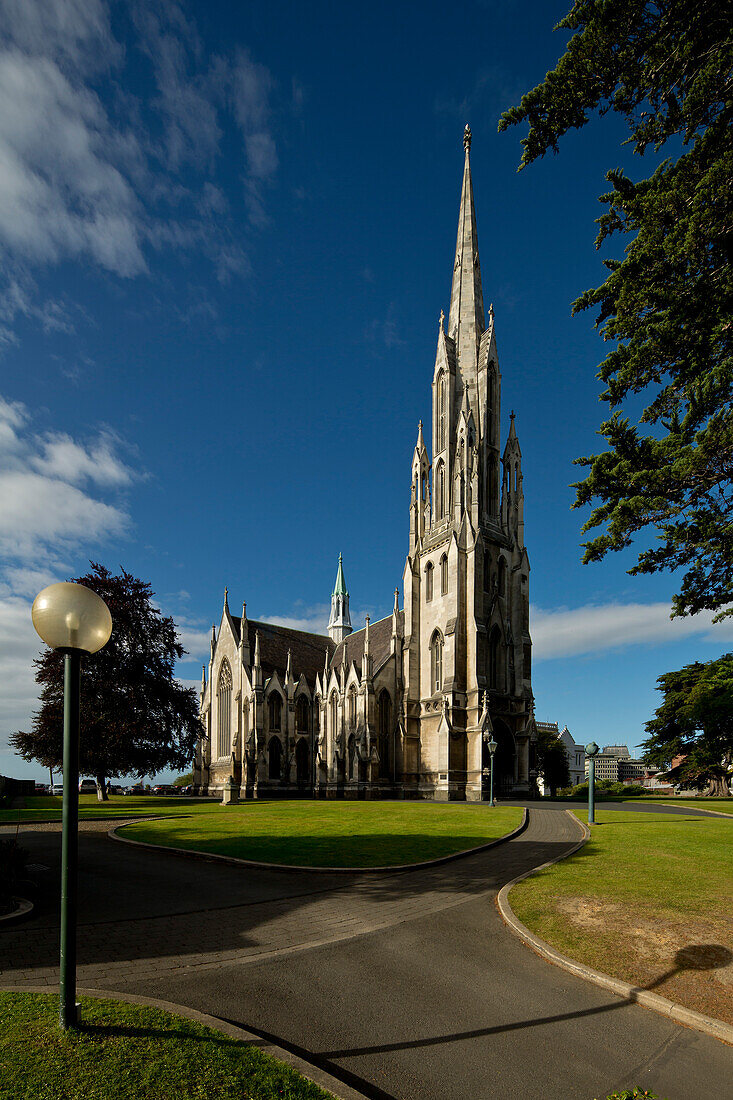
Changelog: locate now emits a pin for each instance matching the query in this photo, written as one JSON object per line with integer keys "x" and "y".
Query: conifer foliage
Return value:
{"x": 693, "y": 727}
{"x": 667, "y": 67}
{"x": 135, "y": 718}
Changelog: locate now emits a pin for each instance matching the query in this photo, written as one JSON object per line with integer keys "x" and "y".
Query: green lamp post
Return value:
{"x": 591, "y": 751}
{"x": 491, "y": 746}
{"x": 74, "y": 620}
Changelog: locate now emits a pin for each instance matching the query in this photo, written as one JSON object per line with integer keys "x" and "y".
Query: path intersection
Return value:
{"x": 403, "y": 984}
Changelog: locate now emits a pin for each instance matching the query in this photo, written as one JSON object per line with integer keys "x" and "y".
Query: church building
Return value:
{"x": 407, "y": 706}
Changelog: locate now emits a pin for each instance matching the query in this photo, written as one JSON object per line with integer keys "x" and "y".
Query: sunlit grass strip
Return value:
{"x": 125, "y": 1052}
{"x": 333, "y": 834}
{"x": 48, "y": 807}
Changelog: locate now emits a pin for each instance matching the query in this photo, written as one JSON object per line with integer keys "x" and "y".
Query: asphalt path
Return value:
{"x": 405, "y": 985}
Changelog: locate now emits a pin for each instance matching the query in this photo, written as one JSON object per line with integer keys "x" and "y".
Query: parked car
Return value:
{"x": 58, "y": 788}
{"x": 87, "y": 786}
{"x": 43, "y": 788}
{"x": 137, "y": 788}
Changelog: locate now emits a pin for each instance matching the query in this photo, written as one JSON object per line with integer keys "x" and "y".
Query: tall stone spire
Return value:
{"x": 339, "y": 625}
{"x": 466, "y": 317}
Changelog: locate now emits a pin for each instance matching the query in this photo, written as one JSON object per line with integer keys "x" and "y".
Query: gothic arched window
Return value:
{"x": 440, "y": 491}
{"x": 502, "y": 576}
{"x": 428, "y": 582}
{"x": 274, "y": 709}
{"x": 441, "y": 412}
{"x": 317, "y": 714}
{"x": 224, "y": 710}
{"x": 275, "y": 755}
{"x": 301, "y": 714}
{"x": 495, "y": 661}
{"x": 444, "y": 574}
{"x": 334, "y": 715}
{"x": 384, "y": 729}
{"x": 436, "y": 662}
{"x": 352, "y": 706}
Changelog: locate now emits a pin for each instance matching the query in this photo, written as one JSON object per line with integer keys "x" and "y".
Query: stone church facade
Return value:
{"x": 406, "y": 706}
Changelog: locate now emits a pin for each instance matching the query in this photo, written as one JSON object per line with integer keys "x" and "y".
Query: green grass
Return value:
{"x": 644, "y": 888}
{"x": 48, "y": 807}
{"x": 333, "y": 834}
{"x": 127, "y": 1052}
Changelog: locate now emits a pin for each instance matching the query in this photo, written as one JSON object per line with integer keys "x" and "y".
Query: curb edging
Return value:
{"x": 717, "y": 1029}
{"x": 24, "y": 908}
{"x": 194, "y": 853}
{"x": 319, "y": 1077}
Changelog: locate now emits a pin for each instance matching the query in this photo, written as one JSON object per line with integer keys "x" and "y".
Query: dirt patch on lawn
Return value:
{"x": 689, "y": 962}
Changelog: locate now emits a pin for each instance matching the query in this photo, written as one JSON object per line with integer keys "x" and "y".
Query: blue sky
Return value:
{"x": 226, "y": 234}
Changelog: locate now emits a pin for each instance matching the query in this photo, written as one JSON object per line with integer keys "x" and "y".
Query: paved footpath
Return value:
{"x": 405, "y": 985}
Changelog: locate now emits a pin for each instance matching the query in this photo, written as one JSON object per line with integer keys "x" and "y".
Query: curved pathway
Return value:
{"x": 403, "y": 984}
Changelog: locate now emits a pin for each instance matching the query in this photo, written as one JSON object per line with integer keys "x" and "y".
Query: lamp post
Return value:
{"x": 491, "y": 746}
{"x": 591, "y": 751}
{"x": 74, "y": 620}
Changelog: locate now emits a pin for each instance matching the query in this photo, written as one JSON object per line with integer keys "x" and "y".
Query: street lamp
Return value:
{"x": 591, "y": 751}
{"x": 74, "y": 620}
{"x": 491, "y": 746}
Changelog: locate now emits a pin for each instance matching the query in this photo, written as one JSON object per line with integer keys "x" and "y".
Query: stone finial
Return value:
{"x": 396, "y": 600}
{"x": 257, "y": 649}
{"x": 467, "y": 138}
{"x": 441, "y": 319}
{"x": 226, "y": 596}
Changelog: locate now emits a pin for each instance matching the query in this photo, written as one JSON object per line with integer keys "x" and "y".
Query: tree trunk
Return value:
{"x": 102, "y": 795}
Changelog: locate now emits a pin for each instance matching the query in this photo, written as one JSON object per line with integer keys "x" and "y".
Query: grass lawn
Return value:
{"x": 648, "y": 900}
{"x": 125, "y": 1052}
{"x": 48, "y": 807}
{"x": 333, "y": 834}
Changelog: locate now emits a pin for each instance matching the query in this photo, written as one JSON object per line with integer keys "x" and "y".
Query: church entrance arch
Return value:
{"x": 504, "y": 760}
{"x": 302, "y": 762}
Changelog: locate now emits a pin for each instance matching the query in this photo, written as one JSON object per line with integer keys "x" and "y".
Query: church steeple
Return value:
{"x": 466, "y": 318}
{"x": 339, "y": 625}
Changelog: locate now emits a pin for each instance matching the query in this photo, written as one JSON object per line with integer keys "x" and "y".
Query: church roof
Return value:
{"x": 308, "y": 651}
{"x": 380, "y": 639}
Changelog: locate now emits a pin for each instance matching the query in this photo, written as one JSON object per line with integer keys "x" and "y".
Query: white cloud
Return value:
{"x": 47, "y": 511}
{"x": 595, "y": 628}
{"x": 61, "y": 194}
{"x": 195, "y": 641}
{"x": 94, "y": 174}
{"x": 315, "y": 621}
{"x": 64, "y": 458}
{"x": 19, "y": 645}
{"x": 40, "y": 511}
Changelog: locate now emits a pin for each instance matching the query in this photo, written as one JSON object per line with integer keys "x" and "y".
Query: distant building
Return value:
{"x": 575, "y": 753}
{"x": 615, "y": 764}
